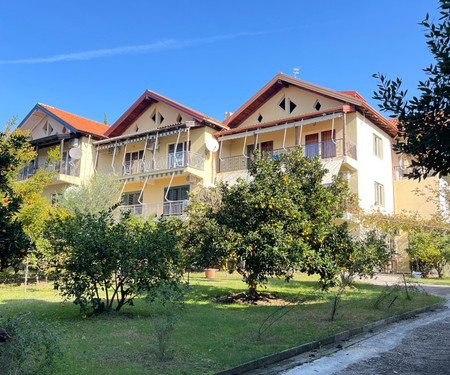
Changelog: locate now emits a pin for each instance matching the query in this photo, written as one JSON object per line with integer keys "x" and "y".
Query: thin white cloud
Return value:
{"x": 163, "y": 45}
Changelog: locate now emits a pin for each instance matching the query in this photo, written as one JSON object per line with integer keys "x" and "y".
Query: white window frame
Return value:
{"x": 379, "y": 194}
{"x": 378, "y": 146}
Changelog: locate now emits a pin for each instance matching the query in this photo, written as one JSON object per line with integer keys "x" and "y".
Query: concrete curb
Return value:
{"x": 291, "y": 352}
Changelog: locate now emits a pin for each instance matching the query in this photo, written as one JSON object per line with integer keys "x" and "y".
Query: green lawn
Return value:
{"x": 209, "y": 337}
{"x": 431, "y": 280}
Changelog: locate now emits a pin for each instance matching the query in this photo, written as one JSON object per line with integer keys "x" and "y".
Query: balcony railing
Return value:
{"x": 174, "y": 208}
{"x": 400, "y": 172}
{"x": 169, "y": 161}
{"x": 69, "y": 168}
{"x": 325, "y": 150}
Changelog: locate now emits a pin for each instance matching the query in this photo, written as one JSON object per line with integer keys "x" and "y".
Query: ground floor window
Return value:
{"x": 175, "y": 200}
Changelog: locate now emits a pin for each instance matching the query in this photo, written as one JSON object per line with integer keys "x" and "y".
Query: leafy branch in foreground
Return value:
{"x": 423, "y": 122}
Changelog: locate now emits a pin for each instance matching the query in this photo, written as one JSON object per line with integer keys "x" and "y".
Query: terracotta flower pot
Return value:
{"x": 210, "y": 273}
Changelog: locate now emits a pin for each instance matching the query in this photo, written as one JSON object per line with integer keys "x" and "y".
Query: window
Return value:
{"x": 56, "y": 197}
{"x": 292, "y": 106}
{"x": 178, "y": 158}
{"x": 177, "y": 193}
{"x": 317, "y": 105}
{"x": 131, "y": 198}
{"x": 47, "y": 129}
{"x": 323, "y": 144}
{"x": 179, "y": 118}
{"x": 153, "y": 117}
{"x": 161, "y": 118}
{"x": 260, "y": 118}
{"x": 134, "y": 162}
{"x": 65, "y": 164}
{"x": 379, "y": 194}
{"x": 282, "y": 104}
{"x": 175, "y": 200}
{"x": 377, "y": 146}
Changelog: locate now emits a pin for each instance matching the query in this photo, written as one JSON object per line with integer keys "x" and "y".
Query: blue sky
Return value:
{"x": 97, "y": 57}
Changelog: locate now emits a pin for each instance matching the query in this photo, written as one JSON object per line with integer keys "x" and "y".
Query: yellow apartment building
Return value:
{"x": 158, "y": 148}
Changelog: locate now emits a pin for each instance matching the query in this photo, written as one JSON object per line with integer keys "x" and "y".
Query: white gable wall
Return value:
{"x": 39, "y": 132}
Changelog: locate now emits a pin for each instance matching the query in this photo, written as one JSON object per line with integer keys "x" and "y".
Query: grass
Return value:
{"x": 431, "y": 280}
{"x": 209, "y": 337}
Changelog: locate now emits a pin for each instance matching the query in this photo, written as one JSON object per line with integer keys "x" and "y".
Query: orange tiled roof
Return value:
{"x": 80, "y": 123}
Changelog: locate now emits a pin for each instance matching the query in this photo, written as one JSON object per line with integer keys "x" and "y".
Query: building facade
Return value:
{"x": 158, "y": 148}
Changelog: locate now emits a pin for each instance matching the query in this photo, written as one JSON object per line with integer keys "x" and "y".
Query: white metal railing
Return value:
{"x": 401, "y": 172}
{"x": 69, "y": 168}
{"x": 325, "y": 150}
{"x": 169, "y": 161}
{"x": 146, "y": 210}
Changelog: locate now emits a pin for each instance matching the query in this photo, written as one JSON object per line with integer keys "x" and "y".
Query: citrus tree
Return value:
{"x": 274, "y": 225}
{"x": 14, "y": 243}
{"x": 105, "y": 264}
{"x": 428, "y": 250}
{"x": 361, "y": 256}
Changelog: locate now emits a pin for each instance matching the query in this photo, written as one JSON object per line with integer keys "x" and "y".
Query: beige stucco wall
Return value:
{"x": 412, "y": 195}
{"x": 304, "y": 100}
{"x": 145, "y": 122}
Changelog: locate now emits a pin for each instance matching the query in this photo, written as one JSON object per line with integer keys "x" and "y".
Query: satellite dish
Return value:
{"x": 212, "y": 145}
{"x": 75, "y": 153}
{"x": 70, "y": 190}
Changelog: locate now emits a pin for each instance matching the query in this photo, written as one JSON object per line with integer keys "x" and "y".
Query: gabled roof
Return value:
{"x": 144, "y": 102}
{"x": 74, "y": 123}
{"x": 281, "y": 80}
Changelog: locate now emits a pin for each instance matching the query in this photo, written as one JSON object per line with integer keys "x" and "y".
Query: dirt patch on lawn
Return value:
{"x": 262, "y": 299}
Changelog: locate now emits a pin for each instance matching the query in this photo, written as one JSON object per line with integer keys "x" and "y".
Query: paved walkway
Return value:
{"x": 414, "y": 347}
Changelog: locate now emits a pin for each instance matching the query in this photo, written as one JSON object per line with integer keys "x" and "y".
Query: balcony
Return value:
{"x": 325, "y": 150}
{"x": 170, "y": 161}
{"x": 174, "y": 208}
{"x": 400, "y": 172}
{"x": 69, "y": 168}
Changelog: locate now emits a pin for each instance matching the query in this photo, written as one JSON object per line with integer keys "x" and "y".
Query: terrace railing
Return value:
{"x": 169, "y": 161}
{"x": 146, "y": 210}
{"x": 69, "y": 168}
{"x": 325, "y": 150}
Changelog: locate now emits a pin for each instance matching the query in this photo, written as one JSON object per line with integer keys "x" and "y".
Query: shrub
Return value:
{"x": 33, "y": 348}
{"x": 105, "y": 264}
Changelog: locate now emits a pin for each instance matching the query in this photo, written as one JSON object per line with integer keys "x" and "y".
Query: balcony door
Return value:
{"x": 312, "y": 145}
{"x": 133, "y": 162}
{"x": 328, "y": 144}
{"x": 180, "y": 157}
{"x": 323, "y": 144}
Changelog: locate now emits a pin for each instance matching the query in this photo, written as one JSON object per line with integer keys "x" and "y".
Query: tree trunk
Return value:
{"x": 26, "y": 275}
